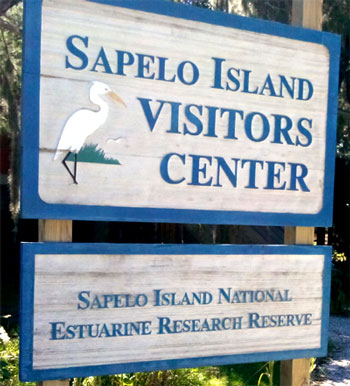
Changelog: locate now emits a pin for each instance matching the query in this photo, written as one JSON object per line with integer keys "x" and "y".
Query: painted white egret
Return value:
{"x": 83, "y": 123}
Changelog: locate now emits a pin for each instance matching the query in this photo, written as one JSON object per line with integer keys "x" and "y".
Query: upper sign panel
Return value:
{"x": 153, "y": 111}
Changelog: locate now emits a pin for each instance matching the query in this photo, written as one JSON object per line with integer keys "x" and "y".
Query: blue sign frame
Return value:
{"x": 33, "y": 207}
{"x": 29, "y": 250}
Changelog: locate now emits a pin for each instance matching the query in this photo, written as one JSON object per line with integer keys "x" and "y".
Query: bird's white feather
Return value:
{"x": 84, "y": 122}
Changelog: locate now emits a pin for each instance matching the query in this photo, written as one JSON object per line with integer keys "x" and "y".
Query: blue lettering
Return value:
{"x": 211, "y": 121}
{"x": 108, "y": 299}
{"x": 305, "y": 87}
{"x": 157, "y": 297}
{"x": 232, "y": 176}
{"x": 161, "y": 70}
{"x": 102, "y": 61}
{"x": 104, "y": 332}
{"x": 226, "y": 295}
{"x": 77, "y": 52}
{"x": 186, "y": 326}
{"x": 268, "y": 85}
{"x": 246, "y": 83}
{"x": 193, "y": 119}
{"x": 297, "y": 174}
{"x": 151, "y": 119}
{"x": 282, "y": 129}
{"x": 163, "y": 326}
{"x": 70, "y": 332}
{"x": 84, "y": 300}
{"x": 289, "y": 88}
{"x": 308, "y": 320}
{"x": 142, "y": 66}
{"x": 124, "y": 58}
{"x": 96, "y": 303}
{"x": 217, "y": 72}
{"x": 237, "y": 323}
{"x": 248, "y": 126}
{"x": 164, "y": 168}
{"x": 252, "y": 171}
{"x": 305, "y": 132}
{"x": 197, "y": 170}
{"x": 174, "y": 128}
{"x": 273, "y": 175}
{"x": 181, "y": 70}
{"x": 232, "y": 121}
{"x": 233, "y": 79}
{"x": 56, "y": 329}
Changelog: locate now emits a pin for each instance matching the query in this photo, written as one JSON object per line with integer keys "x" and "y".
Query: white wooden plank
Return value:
{"x": 60, "y": 278}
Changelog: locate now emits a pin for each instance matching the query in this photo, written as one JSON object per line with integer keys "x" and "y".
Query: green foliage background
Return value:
{"x": 10, "y": 89}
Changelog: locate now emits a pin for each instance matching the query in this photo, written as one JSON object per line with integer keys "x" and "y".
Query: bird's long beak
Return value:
{"x": 117, "y": 98}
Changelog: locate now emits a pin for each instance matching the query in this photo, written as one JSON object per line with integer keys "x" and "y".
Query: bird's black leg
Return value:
{"x": 75, "y": 168}
{"x": 68, "y": 170}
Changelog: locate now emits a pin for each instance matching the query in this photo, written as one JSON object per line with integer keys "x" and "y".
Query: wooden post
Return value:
{"x": 296, "y": 372}
{"x": 308, "y": 14}
{"x": 54, "y": 383}
{"x": 55, "y": 230}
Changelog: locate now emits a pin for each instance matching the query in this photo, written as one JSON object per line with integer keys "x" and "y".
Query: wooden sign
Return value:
{"x": 154, "y": 111}
{"x": 92, "y": 309}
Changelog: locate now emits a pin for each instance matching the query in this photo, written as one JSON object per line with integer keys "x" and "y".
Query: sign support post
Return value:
{"x": 55, "y": 230}
{"x": 296, "y": 372}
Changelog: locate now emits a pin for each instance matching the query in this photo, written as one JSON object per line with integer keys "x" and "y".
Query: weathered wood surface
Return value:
{"x": 296, "y": 372}
{"x": 307, "y": 13}
{"x": 60, "y": 278}
{"x": 137, "y": 181}
{"x": 57, "y": 382}
{"x": 299, "y": 235}
{"x": 55, "y": 230}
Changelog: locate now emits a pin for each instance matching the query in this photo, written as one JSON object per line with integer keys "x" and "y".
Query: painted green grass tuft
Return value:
{"x": 91, "y": 154}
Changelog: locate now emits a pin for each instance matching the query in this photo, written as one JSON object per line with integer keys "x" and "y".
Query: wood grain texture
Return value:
{"x": 57, "y": 382}
{"x": 307, "y": 14}
{"x": 137, "y": 181}
{"x": 55, "y": 230}
{"x": 60, "y": 278}
{"x": 299, "y": 235}
{"x": 296, "y": 372}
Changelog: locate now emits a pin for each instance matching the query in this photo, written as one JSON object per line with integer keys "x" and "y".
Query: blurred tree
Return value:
{"x": 337, "y": 20}
{"x": 10, "y": 89}
{"x": 5, "y": 5}
{"x": 276, "y": 10}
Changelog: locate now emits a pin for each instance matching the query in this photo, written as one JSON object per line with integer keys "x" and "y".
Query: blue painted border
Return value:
{"x": 33, "y": 207}
{"x": 29, "y": 250}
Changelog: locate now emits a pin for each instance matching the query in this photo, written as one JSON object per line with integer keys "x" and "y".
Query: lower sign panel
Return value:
{"x": 93, "y": 309}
